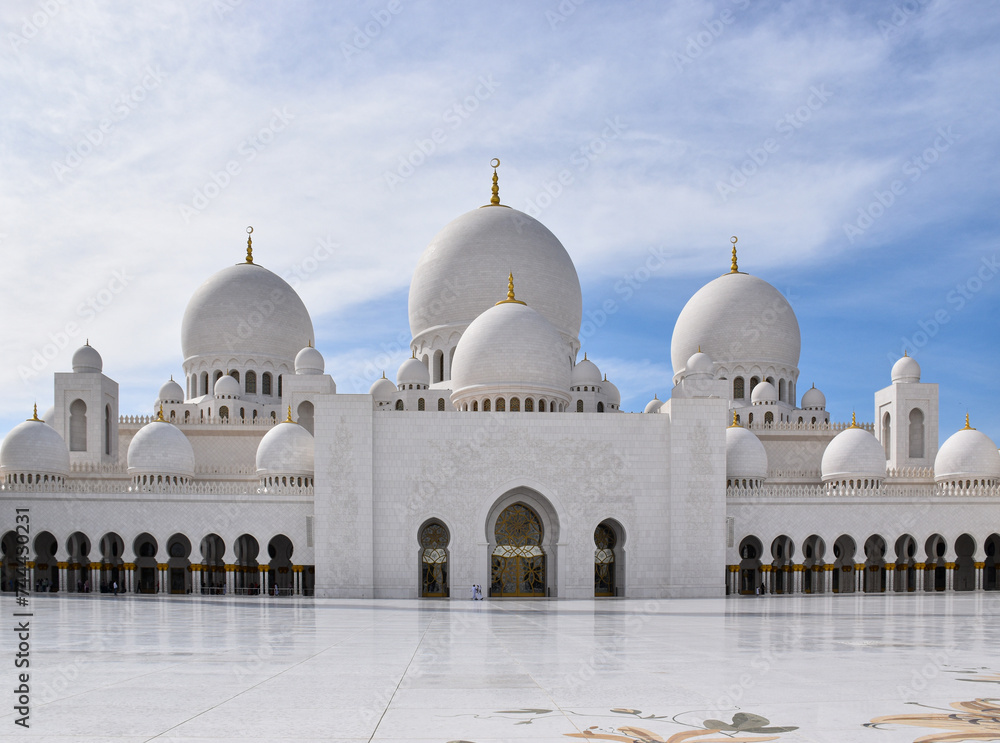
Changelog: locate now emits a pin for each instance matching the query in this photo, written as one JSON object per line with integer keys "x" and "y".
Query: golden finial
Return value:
{"x": 967, "y": 426}
{"x": 495, "y": 199}
{"x": 34, "y": 416}
{"x": 289, "y": 418}
{"x": 699, "y": 348}
{"x": 905, "y": 353}
{"x": 310, "y": 343}
{"x": 159, "y": 416}
{"x": 734, "y": 268}
{"x": 854, "y": 421}
{"x": 655, "y": 397}
{"x": 584, "y": 355}
{"x": 605, "y": 376}
{"x": 383, "y": 374}
{"x": 735, "y": 423}
{"x": 249, "y": 245}
{"x": 510, "y": 295}
{"x": 413, "y": 354}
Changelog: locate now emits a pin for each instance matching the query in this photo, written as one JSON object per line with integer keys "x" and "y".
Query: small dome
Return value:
{"x": 287, "y": 449}
{"x": 700, "y": 363}
{"x": 813, "y": 399}
{"x": 906, "y": 370}
{"x": 653, "y": 406}
{"x": 33, "y": 447}
{"x": 159, "y": 448}
{"x": 611, "y": 392}
{"x": 967, "y": 454}
{"x": 227, "y": 386}
{"x": 413, "y": 371}
{"x": 49, "y": 414}
{"x": 383, "y": 390}
{"x": 170, "y": 392}
{"x": 510, "y": 348}
{"x": 764, "y": 394}
{"x": 854, "y": 453}
{"x": 309, "y": 361}
{"x": 585, "y": 373}
{"x": 745, "y": 455}
{"x": 87, "y": 360}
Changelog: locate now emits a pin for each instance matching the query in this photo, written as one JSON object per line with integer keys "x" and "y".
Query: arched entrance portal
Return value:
{"x": 434, "y": 540}
{"x": 609, "y": 562}
{"x": 518, "y": 558}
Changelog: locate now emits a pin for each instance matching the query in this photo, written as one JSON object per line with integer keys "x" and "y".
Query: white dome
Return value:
{"x": 854, "y": 453}
{"x": 511, "y": 348}
{"x": 170, "y": 392}
{"x": 455, "y": 280}
{"x": 653, "y": 406}
{"x": 49, "y": 414}
{"x": 611, "y": 392}
{"x": 745, "y": 455}
{"x": 245, "y": 311}
{"x": 86, "y": 359}
{"x": 227, "y": 386}
{"x": 413, "y": 371}
{"x": 159, "y": 448}
{"x": 813, "y": 399}
{"x": 967, "y": 454}
{"x": 737, "y": 319}
{"x": 585, "y": 373}
{"x": 383, "y": 390}
{"x": 700, "y": 363}
{"x": 33, "y": 447}
{"x": 309, "y": 361}
{"x": 906, "y": 370}
{"x": 287, "y": 449}
{"x": 763, "y": 394}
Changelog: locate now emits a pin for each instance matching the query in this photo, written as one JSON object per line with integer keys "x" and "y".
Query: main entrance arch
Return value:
{"x": 518, "y": 567}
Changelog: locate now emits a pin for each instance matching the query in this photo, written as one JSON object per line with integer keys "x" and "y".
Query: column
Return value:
{"x": 890, "y": 577}
{"x": 920, "y": 576}
{"x": 296, "y": 580}
{"x": 766, "y": 577}
{"x": 979, "y": 575}
{"x": 828, "y": 578}
{"x": 949, "y": 577}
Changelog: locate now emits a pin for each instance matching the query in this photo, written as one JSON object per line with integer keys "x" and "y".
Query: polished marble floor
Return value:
{"x": 806, "y": 668}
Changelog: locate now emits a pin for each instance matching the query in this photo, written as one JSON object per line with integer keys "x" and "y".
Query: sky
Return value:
{"x": 852, "y": 148}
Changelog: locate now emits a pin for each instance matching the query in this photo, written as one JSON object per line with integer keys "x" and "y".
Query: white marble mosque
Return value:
{"x": 498, "y": 455}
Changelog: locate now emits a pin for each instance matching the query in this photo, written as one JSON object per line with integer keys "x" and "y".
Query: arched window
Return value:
{"x": 579, "y": 406}
{"x": 439, "y": 366}
{"x": 515, "y": 404}
{"x": 224, "y": 413}
{"x": 501, "y": 406}
{"x": 218, "y": 376}
{"x": 204, "y": 383}
{"x": 265, "y": 384}
{"x": 754, "y": 381}
{"x": 78, "y": 426}
{"x": 441, "y": 404}
{"x": 243, "y": 414}
{"x": 107, "y": 429}
{"x": 768, "y": 418}
{"x": 529, "y": 406}
{"x": 738, "y": 388}
{"x": 187, "y": 416}
{"x": 552, "y": 406}
{"x": 279, "y": 385}
{"x": 750, "y": 419}
{"x": 887, "y": 435}
{"x": 486, "y": 405}
{"x": 781, "y": 390}
{"x": 475, "y": 406}
{"x": 421, "y": 405}
{"x": 600, "y": 407}
{"x": 399, "y": 404}
{"x": 235, "y": 375}
{"x": 305, "y": 414}
{"x": 250, "y": 383}
{"x": 916, "y": 433}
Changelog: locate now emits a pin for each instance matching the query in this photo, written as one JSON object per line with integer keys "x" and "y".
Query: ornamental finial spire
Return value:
{"x": 495, "y": 199}
{"x": 736, "y": 422}
{"x": 510, "y": 292}
{"x": 854, "y": 420}
{"x": 34, "y": 416}
{"x": 249, "y": 245}
{"x": 967, "y": 426}
{"x": 734, "y": 268}
{"x": 159, "y": 416}
{"x": 289, "y": 418}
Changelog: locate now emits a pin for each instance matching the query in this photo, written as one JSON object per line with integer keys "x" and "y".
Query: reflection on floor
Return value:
{"x": 803, "y": 668}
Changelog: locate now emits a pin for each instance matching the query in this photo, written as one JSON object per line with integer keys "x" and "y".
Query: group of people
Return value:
{"x": 477, "y": 592}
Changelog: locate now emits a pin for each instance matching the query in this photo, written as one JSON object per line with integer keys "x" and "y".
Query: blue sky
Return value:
{"x": 851, "y": 147}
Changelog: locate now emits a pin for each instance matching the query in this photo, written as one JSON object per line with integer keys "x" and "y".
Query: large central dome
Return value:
{"x": 456, "y": 277}
{"x": 737, "y": 319}
{"x": 245, "y": 310}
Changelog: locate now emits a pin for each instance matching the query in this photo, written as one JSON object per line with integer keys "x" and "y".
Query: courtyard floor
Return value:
{"x": 804, "y": 668}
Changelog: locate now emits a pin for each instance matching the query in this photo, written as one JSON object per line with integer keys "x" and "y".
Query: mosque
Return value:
{"x": 498, "y": 456}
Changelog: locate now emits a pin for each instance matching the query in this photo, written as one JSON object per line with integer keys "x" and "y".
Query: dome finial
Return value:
{"x": 854, "y": 421}
{"x": 34, "y": 416}
{"x": 289, "y": 418}
{"x": 159, "y": 416}
{"x": 736, "y": 422}
{"x": 967, "y": 426}
{"x": 734, "y": 268}
{"x": 510, "y": 293}
{"x": 249, "y": 245}
{"x": 495, "y": 199}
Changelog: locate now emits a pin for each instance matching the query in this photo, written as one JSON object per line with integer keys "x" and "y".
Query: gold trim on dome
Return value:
{"x": 510, "y": 295}
{"x": 249, "y": 245}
